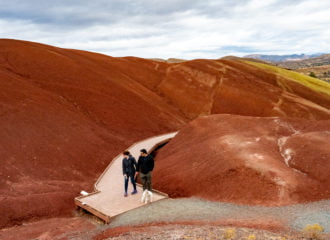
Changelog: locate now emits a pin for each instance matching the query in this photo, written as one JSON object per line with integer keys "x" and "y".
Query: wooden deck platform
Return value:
{"x": 108, "y": 198}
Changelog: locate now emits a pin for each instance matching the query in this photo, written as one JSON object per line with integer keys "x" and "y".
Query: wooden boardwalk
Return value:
{"x": 108, "y": 198}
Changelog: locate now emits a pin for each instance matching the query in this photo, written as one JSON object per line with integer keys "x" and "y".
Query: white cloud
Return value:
{"x": 182, "y": 29}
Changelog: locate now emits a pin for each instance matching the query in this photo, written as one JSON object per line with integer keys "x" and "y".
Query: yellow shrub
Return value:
{"x": 313, "y": 231}
{"x": 229, "y": 233}
{"x": 252, "y": 237}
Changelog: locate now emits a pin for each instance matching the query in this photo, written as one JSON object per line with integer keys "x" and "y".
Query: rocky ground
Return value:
{"x": 201, "y": 232}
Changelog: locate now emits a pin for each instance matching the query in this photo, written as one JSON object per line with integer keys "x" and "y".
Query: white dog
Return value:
{"x": 146, "y": 197}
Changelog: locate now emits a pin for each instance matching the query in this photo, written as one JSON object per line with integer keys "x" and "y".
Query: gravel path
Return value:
{"x": 193, "y": 209}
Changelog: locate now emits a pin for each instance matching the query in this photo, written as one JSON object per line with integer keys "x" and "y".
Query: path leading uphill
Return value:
{"x": 108, "y": 200}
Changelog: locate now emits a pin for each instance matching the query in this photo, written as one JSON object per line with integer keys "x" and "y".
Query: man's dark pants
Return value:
{"x": 146, "y": 181}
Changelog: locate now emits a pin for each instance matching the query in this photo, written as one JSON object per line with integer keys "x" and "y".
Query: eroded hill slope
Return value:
{"x": 249, "y": 160}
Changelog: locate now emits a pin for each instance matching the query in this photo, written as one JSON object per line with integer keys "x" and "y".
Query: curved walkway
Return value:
{"x": 107, "y": 200}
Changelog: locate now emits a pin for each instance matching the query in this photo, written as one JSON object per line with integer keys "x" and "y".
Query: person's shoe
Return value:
{"x": 134, "y": 192}
{"x": 125, "y": 195}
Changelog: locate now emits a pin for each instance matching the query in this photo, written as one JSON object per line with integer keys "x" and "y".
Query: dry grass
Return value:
{"x": 251, "y": 237}
{"x": 206, "y": 232}
{"x": 229, "y": 234}
{"x": 310, "y": 82}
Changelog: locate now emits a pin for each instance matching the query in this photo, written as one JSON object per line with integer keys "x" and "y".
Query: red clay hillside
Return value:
{"x": 247, "y": 160}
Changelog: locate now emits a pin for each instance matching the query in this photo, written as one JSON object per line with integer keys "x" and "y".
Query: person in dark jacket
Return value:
{"x": 129, "y": 171}
{"x": 144, "y": 167}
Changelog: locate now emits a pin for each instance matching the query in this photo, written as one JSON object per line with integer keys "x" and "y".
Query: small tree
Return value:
{"x": 312, "y": 74}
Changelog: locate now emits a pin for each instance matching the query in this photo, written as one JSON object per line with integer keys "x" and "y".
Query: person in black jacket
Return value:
{"x": 144, "y": 167}
{"x": 129, "y": 171}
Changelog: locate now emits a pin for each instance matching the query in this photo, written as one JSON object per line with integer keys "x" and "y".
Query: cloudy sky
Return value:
{"x": 172, "y": 28}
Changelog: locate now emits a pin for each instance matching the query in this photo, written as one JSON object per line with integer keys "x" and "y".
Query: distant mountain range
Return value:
{"x": 282, "y": 58}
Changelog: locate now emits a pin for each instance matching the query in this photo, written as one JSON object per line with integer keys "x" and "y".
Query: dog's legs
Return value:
{"x": 147, "y": 197}
{"x": 144, "y": 195}
{"x": 150, "y": 196}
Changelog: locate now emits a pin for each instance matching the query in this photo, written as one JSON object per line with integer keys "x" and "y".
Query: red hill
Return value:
{"x": 268, "y": 161}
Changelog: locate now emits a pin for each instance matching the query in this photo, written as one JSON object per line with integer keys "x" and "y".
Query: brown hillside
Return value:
{"x": 65, "y": 113}
{"x": 269, "y": 161}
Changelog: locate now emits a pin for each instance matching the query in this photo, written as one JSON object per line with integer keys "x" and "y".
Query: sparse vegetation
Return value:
{"x": 229, "y": 233}
{"x": 311, "y": 82}
{"x": 208, "y": 233}
{"x": 321, "y": 72}
{"x": 251, "y": 237}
